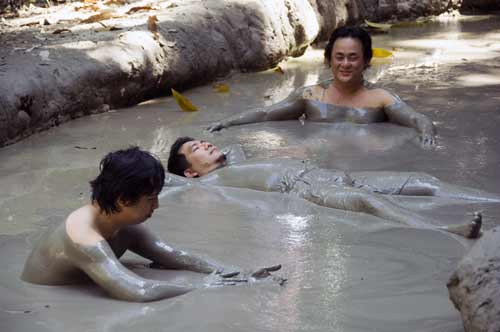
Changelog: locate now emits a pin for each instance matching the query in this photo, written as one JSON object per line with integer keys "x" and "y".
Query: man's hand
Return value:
{"x": 427, "y": 140}
{"x": 216, "y": 126}
{"x": 235, "y": 278}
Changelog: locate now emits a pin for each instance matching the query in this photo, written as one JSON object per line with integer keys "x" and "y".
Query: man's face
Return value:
{"x": 140, "y": 211}
{"x": 203, "y": 157}
{"x": 347, "y": 61}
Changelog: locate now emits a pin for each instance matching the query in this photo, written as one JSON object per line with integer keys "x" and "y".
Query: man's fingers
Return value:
{"x": 231, "y": 280}
{"x": 273, "y": 268}
{"x": 265, "y": 271}
{"x": 230, "y": 274}
{"x": 215, "y": 127}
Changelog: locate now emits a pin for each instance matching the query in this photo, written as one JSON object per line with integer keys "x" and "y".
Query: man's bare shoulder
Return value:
{"x": 381, "y": 97}
{"x": 312, "y": 92}
{"x": 80, "y": 226}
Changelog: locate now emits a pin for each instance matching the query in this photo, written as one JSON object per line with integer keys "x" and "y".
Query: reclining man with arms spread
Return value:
{"x": 93, "y": 237}
{"x": 356, "y": 191}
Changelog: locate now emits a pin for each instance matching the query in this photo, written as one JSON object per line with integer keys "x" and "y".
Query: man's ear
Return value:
{"x": 189, "y": 173}
{"x": 122, "y": 203}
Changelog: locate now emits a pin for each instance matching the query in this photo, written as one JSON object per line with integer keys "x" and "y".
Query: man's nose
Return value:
{"x": 345, "y": 61}
{"x": 207, "y": 145}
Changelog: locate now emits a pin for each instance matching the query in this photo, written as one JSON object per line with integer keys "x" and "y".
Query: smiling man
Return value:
{"x": 365, "y": 192}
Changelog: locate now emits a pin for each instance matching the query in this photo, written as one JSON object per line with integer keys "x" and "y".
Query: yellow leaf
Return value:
{"x": 99, "y": 17}
{"x": 278, "y": 70}
{"x": 139, "y": 8}
{"x": 183, "y": 102}
{"x": 221, "y": 88}
{"x": 152, "y": 26}
{"x": 379, "y": 26}
{"x": 381, "y": 52}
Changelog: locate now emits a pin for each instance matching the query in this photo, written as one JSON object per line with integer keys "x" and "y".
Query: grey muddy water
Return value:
{"x": 346, "y": 271}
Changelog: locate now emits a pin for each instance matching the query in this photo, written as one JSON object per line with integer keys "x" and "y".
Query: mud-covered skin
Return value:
{"x": 306, "y": 103}
{"x": 358, "y": 191}
{"x": 58, "y": 260}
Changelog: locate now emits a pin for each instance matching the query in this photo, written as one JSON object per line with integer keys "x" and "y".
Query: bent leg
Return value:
{"x": 417, "y": 184}
{"x": 352, "y": 199}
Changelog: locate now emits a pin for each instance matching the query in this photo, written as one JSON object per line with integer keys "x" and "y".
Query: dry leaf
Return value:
{"x": 381, "y": 52}
{"x": 115, "y": 2}
{"x": 379, "y": 26}
{"x": 278, "y": 70}
{"x": 139, "y": 8}
{"x": 98, "y": 17}
{"x": 58, "y": 31}
{"x": 153, "y": 26}
{"x": 28, "y": 24}
{"x": 91, "y": 7}
{"x": 183, "y": 102}
{"x": 221, "y": 88}
{"x": 90, "y": 1}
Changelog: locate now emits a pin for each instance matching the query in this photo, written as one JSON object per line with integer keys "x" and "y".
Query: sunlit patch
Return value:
{"x": 473, "y": 80}
{"x": 267, "y": 140}
{"x": 296, "y": 225}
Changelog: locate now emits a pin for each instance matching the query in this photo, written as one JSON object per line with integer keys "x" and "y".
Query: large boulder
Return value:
{"x": 474, "y": 287}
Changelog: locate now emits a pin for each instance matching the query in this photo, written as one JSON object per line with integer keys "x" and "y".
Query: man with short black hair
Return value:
{"x": 356, "y": 191}
{"x": 93, "y": 237}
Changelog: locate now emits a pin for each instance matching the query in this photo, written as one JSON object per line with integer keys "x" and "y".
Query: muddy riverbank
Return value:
{"x": 76, "y": 59}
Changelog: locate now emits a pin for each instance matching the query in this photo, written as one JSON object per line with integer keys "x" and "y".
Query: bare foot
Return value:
{"x": 477, "y": 222}
{"x": 470, "y": 231}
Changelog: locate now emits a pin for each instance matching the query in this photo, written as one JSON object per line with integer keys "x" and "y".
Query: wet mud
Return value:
{"x": 346, "y": 271}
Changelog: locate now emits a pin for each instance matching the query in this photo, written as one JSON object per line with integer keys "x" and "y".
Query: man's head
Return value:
{"x": 193, "y": 158}
{"x": 128, "y": 177}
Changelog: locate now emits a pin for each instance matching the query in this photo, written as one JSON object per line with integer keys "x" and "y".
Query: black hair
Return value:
{"x": 126, "y": 175}
{"x": 177, "y": 162}
{"x": 350, "y": 32}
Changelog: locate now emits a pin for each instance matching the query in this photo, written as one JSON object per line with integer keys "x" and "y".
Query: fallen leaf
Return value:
{"x": 99, "y": 17}
{"x": 152, "y": 25}
{"x": 183, "y": 102}
{"x": 379, "y": 26}
{"x": 221, "y": 88}
{"x": 58, "y": 31}
{"x": 90, "y": 1}
{"x": 139, "y": 8}
{"x": 115, "y": 2}
{"x": 28, "y": 24}
{"x": 278, "y": 70}
{"x": 381, "y": 52}
{"x": 92, "y": 7}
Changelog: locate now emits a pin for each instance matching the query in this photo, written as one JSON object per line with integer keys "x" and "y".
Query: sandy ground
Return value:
{"x": 346, "y": 271}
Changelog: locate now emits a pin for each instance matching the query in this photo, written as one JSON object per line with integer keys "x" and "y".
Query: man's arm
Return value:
{"x": 149, "y": 246}
{"x": 290, "y": 108}
{"x": 101, "y": 265}
{"x": 399, "y": 112}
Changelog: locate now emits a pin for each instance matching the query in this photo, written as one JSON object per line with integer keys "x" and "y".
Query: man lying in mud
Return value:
{"x": 93, "y": 237}
{"x": 356, "y": 191}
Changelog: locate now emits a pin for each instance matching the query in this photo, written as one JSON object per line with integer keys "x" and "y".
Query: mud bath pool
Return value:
{"x": 346, "y": 271}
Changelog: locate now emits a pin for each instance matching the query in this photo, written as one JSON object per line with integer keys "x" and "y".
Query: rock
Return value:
{"x": 474, "y": 288}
